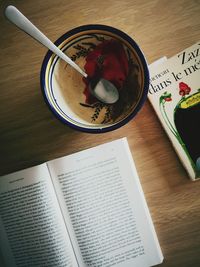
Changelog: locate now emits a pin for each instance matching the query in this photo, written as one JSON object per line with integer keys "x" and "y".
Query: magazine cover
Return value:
{"x": 174, "y": 93}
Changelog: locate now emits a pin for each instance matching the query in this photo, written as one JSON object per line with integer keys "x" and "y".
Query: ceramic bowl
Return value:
{"x": 96, "y": 49}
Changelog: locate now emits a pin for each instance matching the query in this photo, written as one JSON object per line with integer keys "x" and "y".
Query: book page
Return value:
{"x": 32, "y": 229}
{"x": 99, "y": 190}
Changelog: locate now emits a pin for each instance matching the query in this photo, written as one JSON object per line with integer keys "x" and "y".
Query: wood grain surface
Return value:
{"x": 30, "y": 134}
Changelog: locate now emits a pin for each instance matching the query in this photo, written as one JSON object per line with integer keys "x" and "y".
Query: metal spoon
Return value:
{"x": 104, "y": 90}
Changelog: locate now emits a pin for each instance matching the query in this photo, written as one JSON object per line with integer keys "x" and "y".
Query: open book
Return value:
{"x": 85, "y": 209}
{"x": 174, "y": 93}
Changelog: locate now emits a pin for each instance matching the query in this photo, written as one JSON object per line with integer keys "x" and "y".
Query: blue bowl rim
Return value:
{"x": 131, "y": 42}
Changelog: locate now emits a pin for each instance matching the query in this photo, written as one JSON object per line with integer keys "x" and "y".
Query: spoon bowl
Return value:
{"x": 104, "y": 91}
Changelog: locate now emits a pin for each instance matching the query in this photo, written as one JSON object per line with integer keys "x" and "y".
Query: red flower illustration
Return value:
{"x": 184, "y": 89}
{"x": 109, "y": 61}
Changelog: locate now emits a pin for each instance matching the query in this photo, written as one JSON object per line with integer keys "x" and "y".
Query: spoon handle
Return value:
{"x": 16, "y": 17}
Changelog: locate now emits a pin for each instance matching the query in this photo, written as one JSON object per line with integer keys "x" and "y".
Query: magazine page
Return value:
{"x": 174, "y": 93}
{"x": 32, "y": 229}
{"x": 99, "y": 190}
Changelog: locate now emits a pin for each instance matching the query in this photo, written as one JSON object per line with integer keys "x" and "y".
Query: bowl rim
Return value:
{"x": 138, "y": 51}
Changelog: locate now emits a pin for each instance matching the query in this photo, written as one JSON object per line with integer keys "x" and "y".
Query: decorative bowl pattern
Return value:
{"x": 95, "y": 48}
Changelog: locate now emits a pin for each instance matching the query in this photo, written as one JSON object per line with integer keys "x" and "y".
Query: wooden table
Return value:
{"x": 30, "y": 134}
